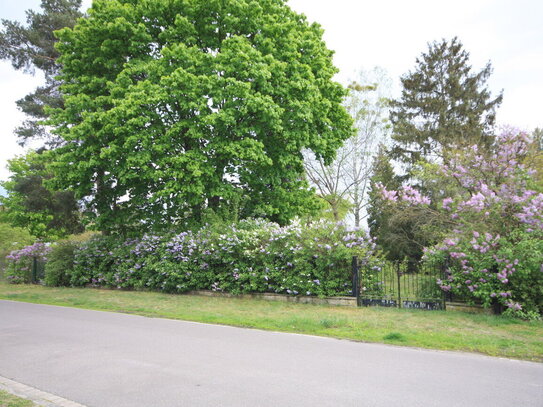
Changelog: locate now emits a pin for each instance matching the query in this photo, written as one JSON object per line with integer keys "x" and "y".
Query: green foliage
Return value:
{"x": 443, "y": 105}
{"x": 194, "y": 106}
{"x": 334, "y": 208}
{"x": 520, "y": 314}
{"x": 400, "y": 231}
{"x": 510, "y": 276}
{"x": 526, "y": 282}
{"x": 46, "y": 214}
{"x": 11, "y": 238}
{"x": 60, "y": 263}
{"x": 251, "y": 256}
{"x": 32, "y": 47}
{"x": 534, "y": 159}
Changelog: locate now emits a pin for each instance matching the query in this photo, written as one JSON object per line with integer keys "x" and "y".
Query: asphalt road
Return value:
{"x": 103, "y": 359}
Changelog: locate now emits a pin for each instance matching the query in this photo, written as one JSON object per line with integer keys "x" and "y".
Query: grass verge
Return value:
{"x": 9, "y": 400}
{"x": 487, "y": 334}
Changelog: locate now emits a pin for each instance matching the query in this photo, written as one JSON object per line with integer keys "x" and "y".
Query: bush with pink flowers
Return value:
{"x": 494, "y": 209}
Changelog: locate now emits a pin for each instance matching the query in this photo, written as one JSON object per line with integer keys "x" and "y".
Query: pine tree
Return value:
{"x": 32, "y": 47}
{"x": 443, "y": 105}
{"x": 388, "y": 236}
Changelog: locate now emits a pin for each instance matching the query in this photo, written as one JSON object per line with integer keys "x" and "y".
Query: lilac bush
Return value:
{"x": 250, "y": 256}
{"x": 494, "y": 249}
{"x": 19, "y": 267}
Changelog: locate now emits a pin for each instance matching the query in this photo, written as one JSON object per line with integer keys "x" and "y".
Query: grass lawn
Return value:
{"x": 487, "y": 334}
{"x": 9, "y": 400}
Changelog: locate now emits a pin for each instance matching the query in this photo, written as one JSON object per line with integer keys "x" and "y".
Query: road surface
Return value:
{"x": 103, "y": 359}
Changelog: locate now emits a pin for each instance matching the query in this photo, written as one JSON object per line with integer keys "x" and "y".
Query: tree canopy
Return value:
{"x": 173, "y": 108}
{"x": 31, "y": 205}
{"x": 490, "y": 220}
{"x": 443, "y": 104}
{"x": 32, "y": 47}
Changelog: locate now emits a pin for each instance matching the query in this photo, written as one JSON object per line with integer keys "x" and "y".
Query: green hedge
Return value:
{"x": 250, "y": 256}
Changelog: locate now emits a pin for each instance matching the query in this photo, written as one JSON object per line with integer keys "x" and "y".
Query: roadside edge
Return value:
{"x": 39, "y": 397}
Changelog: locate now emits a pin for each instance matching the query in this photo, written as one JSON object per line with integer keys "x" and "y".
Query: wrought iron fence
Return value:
{"x": 399, "y": 284}
{"x": 38, "y": 270}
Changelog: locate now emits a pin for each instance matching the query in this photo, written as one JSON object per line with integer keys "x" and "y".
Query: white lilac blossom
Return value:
{"x": 250, "y": 256}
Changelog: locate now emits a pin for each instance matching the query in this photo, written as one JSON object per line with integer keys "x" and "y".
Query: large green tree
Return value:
{"x": 31, "y": 47}
{"x": 174, "y": 108}
{"x": 443, "y": 104}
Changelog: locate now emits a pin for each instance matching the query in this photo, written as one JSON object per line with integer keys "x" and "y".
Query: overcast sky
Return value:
{"x": 386, "y": 33}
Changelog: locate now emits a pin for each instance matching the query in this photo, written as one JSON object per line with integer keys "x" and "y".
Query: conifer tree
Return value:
{"x": 32, "y": 47}
{"x": 444, "y": 104}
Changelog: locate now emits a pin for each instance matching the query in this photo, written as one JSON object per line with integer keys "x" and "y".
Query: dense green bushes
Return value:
{"x": 251, "y": 256}
{"x": 60, "y": 263}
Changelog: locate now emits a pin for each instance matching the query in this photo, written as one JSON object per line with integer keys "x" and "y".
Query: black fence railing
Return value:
{"x": 399, "y": 284}
{"x": 38, "y": 270}
{"x": 34, "y": 273}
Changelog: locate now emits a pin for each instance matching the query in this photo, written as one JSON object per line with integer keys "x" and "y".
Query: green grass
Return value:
{"x": 9, "y": 400}
{"x": 394, "y": 336}
{"x": 487, "y": 334}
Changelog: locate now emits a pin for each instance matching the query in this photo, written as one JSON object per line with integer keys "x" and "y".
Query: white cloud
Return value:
{"x": 392, "y": 33}
{"x": 14, "y": 85}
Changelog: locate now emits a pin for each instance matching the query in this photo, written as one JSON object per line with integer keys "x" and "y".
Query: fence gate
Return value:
{"x": 400, "y": 285}
{"x": 38, "y": 270}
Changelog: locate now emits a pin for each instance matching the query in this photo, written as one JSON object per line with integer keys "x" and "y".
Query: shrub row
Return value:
{"x": 20, "y": 262}
{"x": 250, "y": 256}
{"x": 503, "y": 272}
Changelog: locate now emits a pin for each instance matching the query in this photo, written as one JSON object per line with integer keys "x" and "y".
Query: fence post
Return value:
{"x": 34, "y": 270}
{"x": 399, "y": 285}
{"x": 445, "y": 275}
{"x": 356, "y": 284}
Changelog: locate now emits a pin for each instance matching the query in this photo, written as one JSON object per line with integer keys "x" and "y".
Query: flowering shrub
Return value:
{"x": 250, "y": 256}
{"x": 495, "y": 270}
{"x": 19, "y": 268}
{"x": 495, "y": 244}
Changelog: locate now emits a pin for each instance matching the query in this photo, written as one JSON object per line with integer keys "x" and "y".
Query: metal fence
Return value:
{"x": 38, "y": 270}
{"x": 399, "y": 284}
{"x": 34, "y": 274}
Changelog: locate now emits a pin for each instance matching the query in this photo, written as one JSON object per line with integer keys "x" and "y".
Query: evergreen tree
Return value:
{"x": 534, "y": 158}
{"x": 32, "y": 47}
{"x": 443, "y": 104}
{"x": 382, "y": 174}
{"x": 393, "y": 236}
